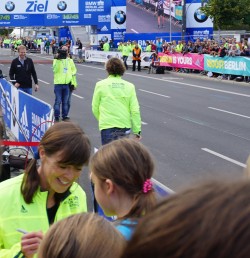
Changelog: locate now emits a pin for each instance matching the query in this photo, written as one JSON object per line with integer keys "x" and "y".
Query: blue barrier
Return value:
{"x": 23, "y": 110}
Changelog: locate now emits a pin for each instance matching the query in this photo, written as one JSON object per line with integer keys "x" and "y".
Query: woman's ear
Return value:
{"x": 109, "y": 186}
{"x": 41, "y": 152}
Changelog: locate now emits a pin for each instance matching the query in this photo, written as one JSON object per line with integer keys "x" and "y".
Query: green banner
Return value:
{"x": 238, "y": 65}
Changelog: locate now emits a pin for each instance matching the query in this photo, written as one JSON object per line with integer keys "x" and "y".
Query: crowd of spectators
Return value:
{"x": 216, "y": 48}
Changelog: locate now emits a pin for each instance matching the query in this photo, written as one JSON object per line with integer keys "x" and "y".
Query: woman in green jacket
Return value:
{"x": 44, "y": 194}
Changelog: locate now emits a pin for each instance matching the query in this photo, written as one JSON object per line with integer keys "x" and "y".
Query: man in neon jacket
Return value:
{"x": 115, "y": 104}
{"x": 43, "y": 194}
{"x": 64, "y": 69}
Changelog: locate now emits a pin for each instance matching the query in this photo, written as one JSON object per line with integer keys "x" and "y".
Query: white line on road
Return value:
{"x": 224, "y": 157}
{"x": 80, "y": 97}
{"x": 144, "y": 123}
{"x": 165, "y": 96}
{"x": 79, "y": 73}
{"x": 175, "y": 82}
{"x": 43, "y": 81}
{"x": 41, "y": 64}
{"x": 172, "y": 78}
{"x": 221, "y": 110}
{"x": 135, "y": 31}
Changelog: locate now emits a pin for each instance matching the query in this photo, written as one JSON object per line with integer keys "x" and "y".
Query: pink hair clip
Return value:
{"x": 147, "y": 186}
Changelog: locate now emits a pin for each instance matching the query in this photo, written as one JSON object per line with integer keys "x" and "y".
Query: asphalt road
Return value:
{"x": 196, "y": 127}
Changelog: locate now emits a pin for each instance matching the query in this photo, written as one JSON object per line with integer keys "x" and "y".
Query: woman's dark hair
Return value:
{"x": 128, "y": 164}
{"x": 115, "y": 66}
{"x": 67, "y": 138}
{"x": 207, "y": 221}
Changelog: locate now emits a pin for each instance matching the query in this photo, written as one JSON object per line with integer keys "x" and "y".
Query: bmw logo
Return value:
{"x": 9, "y": 6}
{"x": 61, "y": 6}
{"x": 120, "y": 17}
{"x": 199, "y": 16}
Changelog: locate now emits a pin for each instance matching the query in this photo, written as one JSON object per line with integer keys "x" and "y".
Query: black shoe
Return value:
{"x": 66, "y": 119}
{"x": 56, "y": 120}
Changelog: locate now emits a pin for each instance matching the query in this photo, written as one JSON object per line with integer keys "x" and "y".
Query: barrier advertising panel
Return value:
{"x": 239, "y": 65}
{"x": 188, "y": 61}
{"x": 102, "y": 57}
{"x": 26, "y": 111}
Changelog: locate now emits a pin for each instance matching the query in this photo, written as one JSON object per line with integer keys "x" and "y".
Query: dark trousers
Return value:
{"x": 111, "y": 134}
{"x": 139, "y": 65}
{"x": 125, "y": 58}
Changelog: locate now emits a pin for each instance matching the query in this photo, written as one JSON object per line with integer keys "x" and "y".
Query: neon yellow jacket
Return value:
{"x": 63, "y": 70}
{"x": 115, "y": 104}
{"x": 16, "y": 213}
{"x": 126, "y": 50}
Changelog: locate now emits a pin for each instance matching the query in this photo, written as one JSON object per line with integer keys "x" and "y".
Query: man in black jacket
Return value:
{"x": 21, "y": 70}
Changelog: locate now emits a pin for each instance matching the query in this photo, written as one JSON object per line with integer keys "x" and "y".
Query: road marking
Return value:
{"x": 78, "y": 96}
{"x": 221, "y": 110}
{"x": 165, "y": 188}
{"x": 43, "y": 81}
{"x": 172, "y": 78}
{"x": 144, "y": 123}
{"x": 135, "y": 31}
{"x": 165, "y": 96}
{"x": 79, "y": 74}
{"x": 190, "y": 85}
{"x": 2, "y": 64}
{"x": 181, "y": 83}
{"x": 224, "y": 157}
{"x": 40, "y": 64}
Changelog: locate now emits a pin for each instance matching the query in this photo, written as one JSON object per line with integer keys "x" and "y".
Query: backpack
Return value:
{"x": 160, "y": 70}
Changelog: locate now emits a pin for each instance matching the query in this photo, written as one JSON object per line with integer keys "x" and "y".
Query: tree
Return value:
{"x": 5, "y": 32}
{"x": 228, "y": 14}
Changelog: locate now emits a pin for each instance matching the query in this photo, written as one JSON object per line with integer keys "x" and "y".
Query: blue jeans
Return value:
{"x": 62, "y": 96}
{"x": 111, "y": 134}
{"x": 27, "y": 90}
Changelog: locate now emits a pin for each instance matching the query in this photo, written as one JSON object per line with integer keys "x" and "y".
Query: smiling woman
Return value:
{"x": 44, "y": 194}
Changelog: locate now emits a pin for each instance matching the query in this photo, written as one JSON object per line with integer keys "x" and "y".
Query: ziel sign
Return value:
{"x": 34, "y": 13}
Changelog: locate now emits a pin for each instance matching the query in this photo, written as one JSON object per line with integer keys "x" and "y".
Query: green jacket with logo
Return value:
{"x": 63, "y": 70}
{"x": 15, "y": 213}
{"x": 115, "y": 104}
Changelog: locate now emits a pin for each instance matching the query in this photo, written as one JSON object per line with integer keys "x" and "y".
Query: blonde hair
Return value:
{"x": 82, "y": 235}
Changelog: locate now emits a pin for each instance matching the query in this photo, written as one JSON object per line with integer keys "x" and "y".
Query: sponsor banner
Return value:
{"x": 199, "y": 33}
{"x": 102, "y": 57}
{"x": 143, "y": 37}
{"x": 30, "y": 112}
{"x": 188, "y": 61}
{"x": 227, "y": 65}
{"x": 178, "y": 13}
{"x": 62, "y": 13}
{"x": 119, "y": 17}
{"x": 195, "y": 18}
{"x": 39, "y": 6}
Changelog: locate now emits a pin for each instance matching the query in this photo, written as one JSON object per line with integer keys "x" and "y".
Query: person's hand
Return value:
{"x": 30, "y": 243}
{"x": 36, "y": 87}
{"x": 17, "y": 85}
{"x": 137, "y": 137}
